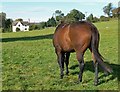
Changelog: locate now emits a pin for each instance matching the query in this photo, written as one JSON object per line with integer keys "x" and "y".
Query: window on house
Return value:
{"x": 19, "y": 25}
{"x": 25, "y": 28}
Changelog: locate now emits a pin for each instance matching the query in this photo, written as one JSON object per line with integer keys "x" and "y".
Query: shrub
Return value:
{"x": 103, "y": 18}
{"x": 17, "y": 29}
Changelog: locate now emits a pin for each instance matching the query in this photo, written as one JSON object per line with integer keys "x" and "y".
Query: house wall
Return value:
{"x": 21, "y": 27}
{"x": 14, "y": 28}
{"x": 26, "y": 28}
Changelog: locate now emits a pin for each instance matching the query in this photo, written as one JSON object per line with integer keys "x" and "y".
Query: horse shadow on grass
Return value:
{"x": 49, "y": 36}
{"x": 90, "y": 67}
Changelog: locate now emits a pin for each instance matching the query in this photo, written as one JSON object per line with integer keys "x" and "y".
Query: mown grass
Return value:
{"x": 29, "y": 62}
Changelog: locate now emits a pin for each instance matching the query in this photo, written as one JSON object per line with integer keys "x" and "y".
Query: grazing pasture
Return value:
{"x": 29, "y": 61}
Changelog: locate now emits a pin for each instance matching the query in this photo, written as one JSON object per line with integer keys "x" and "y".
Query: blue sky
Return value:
{"x": 41, "y": 11}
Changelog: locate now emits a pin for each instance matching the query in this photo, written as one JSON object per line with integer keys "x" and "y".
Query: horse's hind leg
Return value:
{"x": 67, "y": 62}
{"x": 96, "y": 68}
{"x": 60, "y": 58}
{"x": 81, "y": 65}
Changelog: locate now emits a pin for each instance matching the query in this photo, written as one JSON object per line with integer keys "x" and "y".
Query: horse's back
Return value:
{"x": 80, "y": 35}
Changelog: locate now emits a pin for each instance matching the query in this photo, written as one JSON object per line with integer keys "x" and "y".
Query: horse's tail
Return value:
{"x": 94, "y": 45}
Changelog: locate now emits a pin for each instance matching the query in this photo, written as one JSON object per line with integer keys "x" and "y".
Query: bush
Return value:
{"x": 103, "y": 18}
{"x": 34, "y": 27}
{"x": 95, "y": 19}
{"x": 4, "y": 30}
{"x": 17, "y": 29}
{"x": 42, "y": 25}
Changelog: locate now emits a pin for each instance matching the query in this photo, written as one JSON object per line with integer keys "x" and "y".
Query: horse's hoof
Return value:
{"x": 80, "y": 80}
{"x": 61, "y": 77}
{"x": 106, "y": 73}
{"x": 95, "y": 84}
{"x": 67, "y": 73}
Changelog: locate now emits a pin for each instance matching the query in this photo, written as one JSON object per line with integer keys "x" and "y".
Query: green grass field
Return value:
{"x": 29, "y": 62}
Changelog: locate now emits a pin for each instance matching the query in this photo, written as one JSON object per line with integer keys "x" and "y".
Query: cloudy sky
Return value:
{"x": 38, "y": 10}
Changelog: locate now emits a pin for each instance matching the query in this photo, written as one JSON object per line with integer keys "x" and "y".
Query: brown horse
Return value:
{"x": 77, "y": 37}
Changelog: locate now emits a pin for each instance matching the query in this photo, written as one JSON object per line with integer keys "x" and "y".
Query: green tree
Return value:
{"x": 19, "y": 19}
{"x": 2, "y": 19}
{"x": 103, "y": 18}
{"x": 34, "y": 27}
{"x": 51, "y": 22}
{"x": 8, "y": 25}
{"x": 90, "y": 18}
{"x": 95, "y": 19}
{"x": 107, "y": 9}
{"x": 59, "y": 15}
{"x": 74, "y": 15}
{"x": 42, "y": 25}
{"x": 115, "y": 12}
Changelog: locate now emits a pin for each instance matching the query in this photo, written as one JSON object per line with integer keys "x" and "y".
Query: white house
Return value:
{"x": 20, "y": 25}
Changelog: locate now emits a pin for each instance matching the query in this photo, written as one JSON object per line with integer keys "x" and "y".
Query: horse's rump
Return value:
{"x": 67, "y": 37}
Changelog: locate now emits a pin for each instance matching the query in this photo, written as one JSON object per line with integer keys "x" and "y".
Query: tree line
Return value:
{"x": 73, "y": 16}
{"x": 76, "y": 15}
